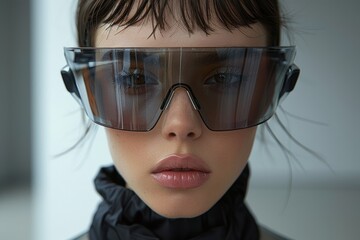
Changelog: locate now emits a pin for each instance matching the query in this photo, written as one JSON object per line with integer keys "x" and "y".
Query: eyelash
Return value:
{"x": 232, "y": 77}
{"x": 135, "y": 81}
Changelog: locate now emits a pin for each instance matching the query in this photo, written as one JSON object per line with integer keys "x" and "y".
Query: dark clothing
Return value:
{"x": 122, "y": 215}
{"x": 265, "y": 234}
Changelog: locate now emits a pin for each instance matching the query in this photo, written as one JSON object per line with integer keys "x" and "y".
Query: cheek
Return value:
{"x": 120, "y": 145}
{"x": 127, "y": 151}
{"x": 235, "y": 144}
{"x": 233, "y": 150}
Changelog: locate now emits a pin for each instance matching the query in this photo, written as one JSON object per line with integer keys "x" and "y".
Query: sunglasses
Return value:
{"x": 129, "y": 88}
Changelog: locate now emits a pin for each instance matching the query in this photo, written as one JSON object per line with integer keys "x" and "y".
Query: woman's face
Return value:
{"x": 180, "y": 168}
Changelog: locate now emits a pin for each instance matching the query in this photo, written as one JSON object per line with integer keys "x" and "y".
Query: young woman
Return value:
{"x": 180, "y": 87}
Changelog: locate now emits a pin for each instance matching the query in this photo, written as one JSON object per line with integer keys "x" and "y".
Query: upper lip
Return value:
{"x": 176, "y": 162}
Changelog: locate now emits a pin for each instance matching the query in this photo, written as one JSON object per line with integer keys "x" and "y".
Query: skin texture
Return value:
{"x": 180, "y": 129}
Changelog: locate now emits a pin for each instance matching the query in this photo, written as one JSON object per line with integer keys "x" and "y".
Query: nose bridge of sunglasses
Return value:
{"x": 177, "y": 88}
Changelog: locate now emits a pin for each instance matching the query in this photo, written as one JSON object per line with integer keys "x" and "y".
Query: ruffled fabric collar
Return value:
{"x": 122, "y": 215}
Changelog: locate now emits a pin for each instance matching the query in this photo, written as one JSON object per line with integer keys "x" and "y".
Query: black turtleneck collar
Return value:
{"x": 122, "y": 215}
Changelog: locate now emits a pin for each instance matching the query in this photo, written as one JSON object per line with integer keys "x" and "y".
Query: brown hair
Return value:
{"x": 231, "y": 14}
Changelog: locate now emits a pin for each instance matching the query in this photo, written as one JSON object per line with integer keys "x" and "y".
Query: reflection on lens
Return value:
{"x": 233, "y": 88}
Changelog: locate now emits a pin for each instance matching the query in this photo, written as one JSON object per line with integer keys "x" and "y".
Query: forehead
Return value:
{"x": 177, "y": 36}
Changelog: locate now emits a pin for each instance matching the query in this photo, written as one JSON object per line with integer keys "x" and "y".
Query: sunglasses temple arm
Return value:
{"x": 70, "y": 84}
{"x": 291, "y": 78}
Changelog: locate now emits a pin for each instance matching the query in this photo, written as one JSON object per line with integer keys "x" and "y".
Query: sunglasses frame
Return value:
{"x": 69, "y": 80}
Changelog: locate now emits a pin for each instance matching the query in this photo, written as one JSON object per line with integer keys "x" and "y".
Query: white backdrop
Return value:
{"x": 327, "y": 35}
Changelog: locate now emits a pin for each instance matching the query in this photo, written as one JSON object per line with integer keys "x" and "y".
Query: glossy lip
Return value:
{"x": 181, "y": 172}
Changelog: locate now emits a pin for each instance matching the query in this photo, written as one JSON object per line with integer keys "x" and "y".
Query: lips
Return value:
{"x": 181, "y": 172}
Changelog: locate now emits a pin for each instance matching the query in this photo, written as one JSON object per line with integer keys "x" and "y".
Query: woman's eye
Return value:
{"x": 133, "y": 80}
{"x": 224, "y": 79}
{"x": 136, "y": 79}
{"x": 136, "y": 82}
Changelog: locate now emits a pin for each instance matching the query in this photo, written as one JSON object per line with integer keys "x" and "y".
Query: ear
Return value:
{"x": 291, "y": 78}
{"x": 69, "y": 81}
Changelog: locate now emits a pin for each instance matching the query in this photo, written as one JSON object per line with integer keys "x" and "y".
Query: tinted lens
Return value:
{"x": 126, "y": 89}
{"x": 236, "y": 87}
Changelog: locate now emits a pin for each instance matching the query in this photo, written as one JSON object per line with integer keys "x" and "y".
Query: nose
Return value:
{"x": 180, "y": 119}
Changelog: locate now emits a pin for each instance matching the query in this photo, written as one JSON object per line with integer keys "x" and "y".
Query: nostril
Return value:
{"x": 191, "y": 135}
{"x": 172, "y": 134}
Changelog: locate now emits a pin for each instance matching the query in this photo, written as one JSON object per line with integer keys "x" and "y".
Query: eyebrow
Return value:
{"x": 108, "y": 55}
{"x": 209, "y": 57}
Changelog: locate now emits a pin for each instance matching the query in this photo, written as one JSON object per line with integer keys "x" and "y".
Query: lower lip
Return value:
{"x": 181, "y": 179}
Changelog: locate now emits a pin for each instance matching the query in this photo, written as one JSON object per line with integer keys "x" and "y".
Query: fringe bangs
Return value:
{"x": 192, "y": 14}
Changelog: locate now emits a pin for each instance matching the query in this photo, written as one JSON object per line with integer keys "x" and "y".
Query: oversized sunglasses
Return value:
{"x": 129, "y": 88}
